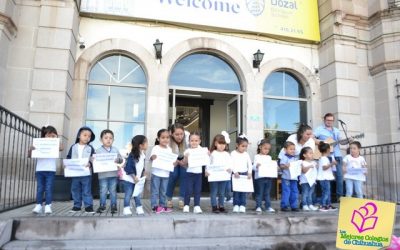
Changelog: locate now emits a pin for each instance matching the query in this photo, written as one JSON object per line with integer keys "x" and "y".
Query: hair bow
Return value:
{"x": 226, "y": 136}
{"x": 243, "y": 136}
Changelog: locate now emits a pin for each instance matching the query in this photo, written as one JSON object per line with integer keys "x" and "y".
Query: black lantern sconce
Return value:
{"x": 158, "y": 47}
{"x": 258, "y": 57}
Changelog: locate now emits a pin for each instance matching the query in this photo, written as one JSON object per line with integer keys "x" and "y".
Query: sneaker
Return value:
{"x": 285, "y": 209}
{"x": 159, "y": 210}
{"x": 306, "y": 208}
{"x": 313, "y": 208}
{"x": 295, "y": 210}
{"x": 114, "y": 209}
{"x": 230, "y": 200}
{"x": 197, "y": 210}
{"x": 139, "y": 210}
{"x": 186, "y": 209}
{"x": 332, "y": 208}
{"x": 270, "y": 210}
{"x": 181, "y": 204}
{"x": 37, "y": 209}
{"x": 259, "y": 210}
{"x": 222, "y": 210}
{"x": 242, "y": 209}
{"x": 47, "y": 209}
{"x": 169, "y": 204}
{"x": 101, "y": 209}
{"x": 75, "y": 209}
{"x": 127, "y": 211}
{"x": 89, "y": 210}
{"x": 324, "y": 209}
{"x": 215, "y": 210}
{"x": 154, "y": 209}
{"x": 236, "y": 209}
{"x": 166, "y": 210}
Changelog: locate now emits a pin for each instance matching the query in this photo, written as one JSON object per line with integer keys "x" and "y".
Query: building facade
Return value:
{"x": 67, "y": 63}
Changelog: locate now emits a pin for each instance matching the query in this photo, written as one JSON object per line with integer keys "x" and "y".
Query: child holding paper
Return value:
{"x": 307, "y": 178}
{"x": 108, "y": 180}
{"x": 263, "y": 184}
{"x": 290, "y": 192}
{"x": 194, "y": 173}
{"x": 354, "y": 161}
{"x": 159, "y": 177}
{"x": 325, "y": 176}
{"x": 135, "y": 168}
{"x": 241, "y": 166}
{"x": 219, "y": 157}
{"x": 81, "y": 186}
{"x": 45, "y": 172}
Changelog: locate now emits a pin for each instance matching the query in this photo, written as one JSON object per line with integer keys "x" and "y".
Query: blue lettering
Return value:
{"x": 181, "y": 2}
{"x": 287, "y": 4}
{"x": 236, "y": 8}
{"x": 169, "y": 1}
{"x": 195, "y": 4}
{"x": 215, "y": 5}
{"x": 209, "y": 4}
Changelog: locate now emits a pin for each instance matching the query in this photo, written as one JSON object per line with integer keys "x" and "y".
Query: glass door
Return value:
{"x": 233, "y": 120}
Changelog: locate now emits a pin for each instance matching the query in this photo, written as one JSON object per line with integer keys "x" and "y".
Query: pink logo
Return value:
{"x": 363, "y": 218}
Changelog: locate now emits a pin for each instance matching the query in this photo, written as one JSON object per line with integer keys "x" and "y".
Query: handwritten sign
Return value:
{"x": 76, "y": 167}
{"x": 365, "y": 224}
{"x": 242, "y": 184}
{"x": 46, "y": 148}
{"x": 139, "y": 187}
{"x": 217, "y": 173}
{"x": 268, "y": 168}
{"x": 165, "y": 160}
{"x": 198, "y": 157}
{"x": 356, "y": 171}
{"x": 104, "y": 162}
{"x": 295, "y": 169}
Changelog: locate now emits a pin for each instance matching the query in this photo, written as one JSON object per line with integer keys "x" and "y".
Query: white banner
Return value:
{"x": 104, "y": 162}
{"x": 46, "y": 148}
{"x": 76, "y": 167}
{"x": 217, "y": 173}
{"x": 242, "y": 184}
{"x": 198, "y": 157}
{"x": 295, "y": 169}
{"x": 139, "y": 187}
{"x": 268, "y": 168}
{"x": 165, "y": 161}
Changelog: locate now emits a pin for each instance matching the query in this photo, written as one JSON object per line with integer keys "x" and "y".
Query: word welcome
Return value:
{"x": 216, "y": 5}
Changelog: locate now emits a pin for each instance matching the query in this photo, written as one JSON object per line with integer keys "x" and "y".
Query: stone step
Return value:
{"x": 166, "y": 227}
{"x": 231, "y": 243}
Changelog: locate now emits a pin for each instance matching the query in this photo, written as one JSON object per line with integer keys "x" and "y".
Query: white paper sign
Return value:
{"x": 311, "y": 176}
{"x": 165, "y": 161}
{"x": 198, "y": 157}
{"x": 242, "y": 184}
{"x": 104, "y": 162}
{"x": 217, "y": 173}
{"x": 268, "y": 168}
{"x": 46, "y": 148}
{"x": 139, "y": 187}
{"x": 356, "y": 171}
{"x": 76, "y": 167}
{"x": 295, "y": 169}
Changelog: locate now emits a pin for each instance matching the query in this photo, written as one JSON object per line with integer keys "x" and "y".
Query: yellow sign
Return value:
{"x": 290, "y": 18}
{"x": 365, "y": 224}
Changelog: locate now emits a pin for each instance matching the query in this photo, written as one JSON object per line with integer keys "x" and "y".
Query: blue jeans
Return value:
{"x": 217, "y": 188}
{"x": 239, "y": 198}
{"x": 193, "y": 186}
{"x": 179, "y": 173}
{"x": 290, "y": 193}
{"x": 339, "y": 177}
{"x": 357, "y": 188}
{"x": 263, "y": 187}
{"x": 45, "y": 183}
{"x": 326, "y": 192}
{"x": 81, "y": 189}
{"x": 228, "y": 190}
{"x": 158, "y": 187}
{"x": 128, "y": 189}
{"x": 307, "y": 193}
{"x": 108, "y": 184}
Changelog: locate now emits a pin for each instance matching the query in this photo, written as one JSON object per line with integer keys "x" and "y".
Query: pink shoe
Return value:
{"x": 167, "y": 210}
{"x": 159, "y": 210}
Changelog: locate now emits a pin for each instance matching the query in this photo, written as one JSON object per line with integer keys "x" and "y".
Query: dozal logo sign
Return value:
{"x": 255, "y": 7}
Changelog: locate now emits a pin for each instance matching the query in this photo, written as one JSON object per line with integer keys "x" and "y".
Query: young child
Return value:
{"x": 135, "y": 168}
{"x": 325, "y": 176}
{"x": 81, "y": 186}
{"x": 45, "y": 172}
{"x": 354, "y": 161}
{"x": 159, "y": 177}
{"x": 263, "y": 184}
{"x": 241, "y": 166}
{"x": 193, "y": 179}
{"x": 290, "y": 192}
{"x": 307, "y": 190}
{"x": 108, "y": 180}
{"x": 219, "y": 157}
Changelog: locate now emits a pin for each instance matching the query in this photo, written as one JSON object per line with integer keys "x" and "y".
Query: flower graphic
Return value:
{"x": 363, "y": 218}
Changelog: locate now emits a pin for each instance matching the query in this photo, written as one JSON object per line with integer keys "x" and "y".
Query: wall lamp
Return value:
{"x": 258, "y": 57}
{"x": 158, "y": 47}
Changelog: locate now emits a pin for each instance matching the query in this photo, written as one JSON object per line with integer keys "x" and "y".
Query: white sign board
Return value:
{"x": 46, "y": 148}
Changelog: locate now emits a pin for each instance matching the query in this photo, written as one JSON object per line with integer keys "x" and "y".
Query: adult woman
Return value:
{"x": 178, "y": 145}
{"x": 302, "y": 138}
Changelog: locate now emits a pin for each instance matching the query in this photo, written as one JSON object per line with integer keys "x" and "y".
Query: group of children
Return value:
{"x": 134, "y": 166}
